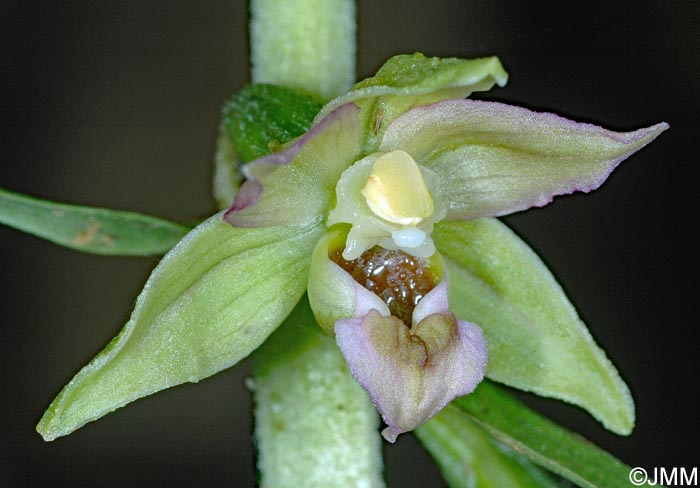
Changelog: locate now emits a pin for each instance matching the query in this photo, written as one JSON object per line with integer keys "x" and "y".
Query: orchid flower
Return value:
{"x": 365, "y": 225}
{"x": 380, "y": 187}
{"x": 371, "y": 210}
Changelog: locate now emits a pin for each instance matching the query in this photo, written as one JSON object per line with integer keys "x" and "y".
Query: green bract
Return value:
{"x": 277, "y": 114}
{"x": 538, "y": 439}
{"x": 411, "y": 80}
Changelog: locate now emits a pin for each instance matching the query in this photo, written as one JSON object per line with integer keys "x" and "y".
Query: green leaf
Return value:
{"x": 470, "y": 458}
{"x": 87, "y": 229}
{"x": 260, "y": 118}
{"x": 305, "y": 396}
{"x": 536, "y": 340}
{"x": 542, "y": 441}
{"x": 210, "y": 302}
{"x": 411, "y": 80}
{"x": 304, "y": 44}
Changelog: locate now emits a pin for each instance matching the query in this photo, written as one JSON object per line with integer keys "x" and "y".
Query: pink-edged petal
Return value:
{"x": 251, "y": 189}
{"x": 411, "y": 374}
{"x": 365, "y": 300}
{"x": 494, "y": 159}
{"x": 296, "y": 185}
{"x": 248, "y": 194}
{"x": 435, "y": 301}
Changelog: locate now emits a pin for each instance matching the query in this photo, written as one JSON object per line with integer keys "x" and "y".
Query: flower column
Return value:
{"x": 315, "y": 426}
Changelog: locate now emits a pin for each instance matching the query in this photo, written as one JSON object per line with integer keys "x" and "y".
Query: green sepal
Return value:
{"x": 494, "y": 159}
{"x": 542, "y": 441}
{"x": 536, "y": 340}
{"x": 261, "y": 117}
{"x": 88, "y": 229}
{"x": 469, "y": 457}
{"x": 314, "y": 425}
{"x": 410, "y": 80}
{"x": 415, "y": 74}
{"x": 211, "y": 301}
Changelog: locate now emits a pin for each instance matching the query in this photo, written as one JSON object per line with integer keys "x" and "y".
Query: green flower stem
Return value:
{"x": 315, "y": 427}
{"x": 304, "y": 44}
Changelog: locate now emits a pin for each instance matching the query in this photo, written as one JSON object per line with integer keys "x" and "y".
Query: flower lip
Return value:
{"x": 411, "y": 373}
{"x": 410, "y": 362}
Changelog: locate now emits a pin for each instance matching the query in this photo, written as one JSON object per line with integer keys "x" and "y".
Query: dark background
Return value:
{"x": 116, "y": 105}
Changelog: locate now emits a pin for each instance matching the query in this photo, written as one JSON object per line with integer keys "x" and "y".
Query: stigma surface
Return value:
{"x": 389, "y": 201}
{"x": 398, "y": 278}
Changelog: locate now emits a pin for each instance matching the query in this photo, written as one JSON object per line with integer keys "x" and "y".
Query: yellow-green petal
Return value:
{"x": 297, "y": 185}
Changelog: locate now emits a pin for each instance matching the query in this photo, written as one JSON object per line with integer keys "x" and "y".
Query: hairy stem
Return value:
{"x": 304, "y": 44}
{"x": 315, "y": 427}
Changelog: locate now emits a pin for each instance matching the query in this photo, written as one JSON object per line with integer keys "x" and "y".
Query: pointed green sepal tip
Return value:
{"x": 536, "y": 340}
{"x": 209, "y": 303}
{"x": 418, "y": 73}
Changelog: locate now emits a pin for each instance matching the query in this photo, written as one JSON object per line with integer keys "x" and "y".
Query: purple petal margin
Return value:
{"x": 435, "y": 301}
{"x": 458, "y": 118}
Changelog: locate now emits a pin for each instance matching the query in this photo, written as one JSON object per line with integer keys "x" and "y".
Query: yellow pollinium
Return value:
{"x": 396, "y": 190}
